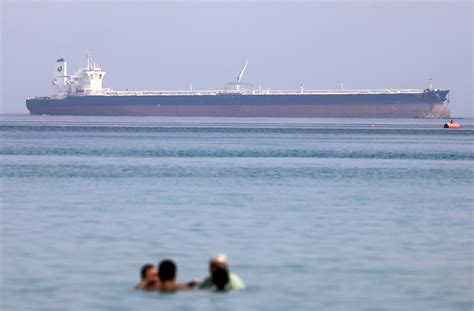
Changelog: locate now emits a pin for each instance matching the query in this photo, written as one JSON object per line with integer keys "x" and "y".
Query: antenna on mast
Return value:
{"x": 88, "y": 60}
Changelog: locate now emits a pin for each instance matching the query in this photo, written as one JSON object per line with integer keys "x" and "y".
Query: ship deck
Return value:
{"x": 109, "y": 92}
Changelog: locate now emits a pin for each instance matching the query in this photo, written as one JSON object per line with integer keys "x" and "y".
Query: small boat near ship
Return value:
{"x": 452, "y": 125}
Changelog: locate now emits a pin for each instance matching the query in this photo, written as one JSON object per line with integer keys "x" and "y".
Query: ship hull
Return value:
{"x": 411, "y": 105}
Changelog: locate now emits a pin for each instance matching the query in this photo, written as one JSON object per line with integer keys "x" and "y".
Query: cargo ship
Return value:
{"x": 83, "y": 94}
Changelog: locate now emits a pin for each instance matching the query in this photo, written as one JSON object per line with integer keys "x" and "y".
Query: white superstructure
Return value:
{"x": 87, "y": 81}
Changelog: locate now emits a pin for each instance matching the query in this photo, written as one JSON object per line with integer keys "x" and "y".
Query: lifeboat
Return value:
{"x": 452, "y": 125}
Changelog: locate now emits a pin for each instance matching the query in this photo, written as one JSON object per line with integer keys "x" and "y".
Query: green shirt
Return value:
{"x": 235, "y": 282}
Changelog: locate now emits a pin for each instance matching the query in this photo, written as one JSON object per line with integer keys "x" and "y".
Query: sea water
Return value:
{"x": 313, "y": 214}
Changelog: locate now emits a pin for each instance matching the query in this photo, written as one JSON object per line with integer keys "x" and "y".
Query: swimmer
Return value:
{"x": 150, "y": 279}
{"x": 168, "y": 274}
{"x": 220, "y": 278}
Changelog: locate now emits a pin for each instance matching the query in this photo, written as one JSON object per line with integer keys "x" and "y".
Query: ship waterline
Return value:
{"x": 82, "y": 94}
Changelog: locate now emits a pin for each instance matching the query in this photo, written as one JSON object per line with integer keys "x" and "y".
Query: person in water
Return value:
{"x": 167, "y": 270}
{"x": 149, "y": 278}
{"x": 220, "y": 278}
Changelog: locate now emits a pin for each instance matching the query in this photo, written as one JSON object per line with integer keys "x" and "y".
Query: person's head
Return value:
{"x": 218, "y": 262}
{"x": 167, "y": 270}
{"x": 220, "y": 278}
{"x": 149, "y": 273}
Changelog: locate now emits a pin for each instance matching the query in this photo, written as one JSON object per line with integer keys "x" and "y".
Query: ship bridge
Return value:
{"x": 87, "y": 81}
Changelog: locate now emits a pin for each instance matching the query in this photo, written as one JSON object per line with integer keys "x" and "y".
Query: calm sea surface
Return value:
{"x": 314, "y": 214}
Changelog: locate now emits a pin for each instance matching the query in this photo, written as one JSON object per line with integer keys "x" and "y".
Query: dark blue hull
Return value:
{"x": 403, "y": 105}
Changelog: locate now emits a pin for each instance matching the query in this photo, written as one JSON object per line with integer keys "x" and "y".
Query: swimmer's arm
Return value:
{"x": 194, "y": 282}
{"x": 207, "y": 283}
{"x": 187, "y": 286}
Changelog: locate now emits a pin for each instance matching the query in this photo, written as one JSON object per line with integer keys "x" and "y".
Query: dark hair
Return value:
{"x": 220, "y": 278}
{"x": 145, "y": 269}
{"x": 167, "y": 270}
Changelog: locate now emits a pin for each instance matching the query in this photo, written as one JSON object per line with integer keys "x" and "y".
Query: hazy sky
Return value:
{"x": 167, "y": 45}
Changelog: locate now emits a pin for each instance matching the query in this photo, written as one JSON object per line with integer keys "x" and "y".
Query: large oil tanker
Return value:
{"x": 83, "y": 94}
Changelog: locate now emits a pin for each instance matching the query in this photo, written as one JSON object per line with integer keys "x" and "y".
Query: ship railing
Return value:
{"x": 344, "y": 91}
{"x": 159, "y": 93}
{"x": 38, "y": 97}
{"x": 258, "y": 92}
